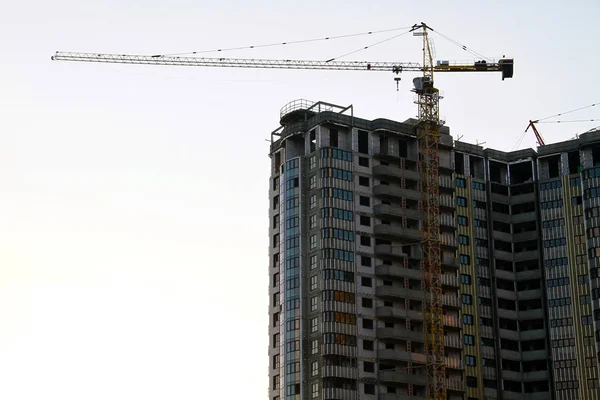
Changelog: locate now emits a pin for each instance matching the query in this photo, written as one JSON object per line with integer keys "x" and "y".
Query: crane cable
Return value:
{"x": 367, "y": 47}
{"x": 462, "y": 46}
{"x": 572, "y": 120}
{"x": 568, "y": 112}
{"x": 286, "y": 43}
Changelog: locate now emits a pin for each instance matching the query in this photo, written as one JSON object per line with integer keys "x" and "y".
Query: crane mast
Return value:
{"x": 428, "y": 134}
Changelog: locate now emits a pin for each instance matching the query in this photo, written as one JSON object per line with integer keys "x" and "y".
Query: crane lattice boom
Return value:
{"x": 386, "y": 66}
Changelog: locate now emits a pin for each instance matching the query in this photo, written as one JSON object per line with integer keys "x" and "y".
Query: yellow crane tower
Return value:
{"x": 428, "y": 134}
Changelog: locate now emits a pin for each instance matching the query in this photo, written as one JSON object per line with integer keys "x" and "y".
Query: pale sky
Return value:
{"x": 133, "y": 211}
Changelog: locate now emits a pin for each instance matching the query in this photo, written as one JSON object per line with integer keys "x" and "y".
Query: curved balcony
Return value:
{"x": 402, "y": 377}
{"x": 399, "y": 334}
{"x": 396, "y": 232}
{"x": 399, "y": 355}
{"x": 389, "y": 251}
{"x": 394, "y": 293}
{"x": 397, "y": 272}
{"x": 395, "y": 172}
{"x": 339, "y": 372}
{"x": 384, "y": 210}
{"x": 450, "y": 301}
{"x": 395, "y": 313}
{"x": 395, "y": 193}
{"x": 454, "y": 363}
{"x": 450, "y": 280}
{"x": 453, "y": 342}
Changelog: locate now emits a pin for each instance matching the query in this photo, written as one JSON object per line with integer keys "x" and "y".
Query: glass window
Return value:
{"x": 313, "y": 283}
{"x": 312, "y": 182}
{"x": 314, "y": 368}
{"x": 314, "y": 347}
{"x": 312, "y": 162}
{"x": 313, "y": 262}
{"x": 313, "y": 221}
{"x": 314, "y": 324}
{"x": 314, "y": 303}
{"x": 313, "y": 241}
{"x": 313, "y": 201}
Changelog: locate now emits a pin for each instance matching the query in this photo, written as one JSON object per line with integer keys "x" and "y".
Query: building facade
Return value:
{"x": 520, "y": 288}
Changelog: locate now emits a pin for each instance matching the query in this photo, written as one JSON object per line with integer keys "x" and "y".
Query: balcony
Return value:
{"x": 399, "y": 334}
{"x": 339, "y": 372}
{"x": 402, "y": 377}
{"x": 447, "y": 202}
{"x": 531, "y": 314}
{"x": 447, "y": 220}
{"x": 534, "y": 355}
{"x": 399, "y": 355}
{"x": 389, "y": 251}
{"x": 446, "y": 183}
{"x": 398, "y": 396}
{"x": 395, "y": 313}
{"x": 455, "y": 385}
{"x": 526, "y": 255}
{"x": 392, "y": 231}
{"x": 450, "y": 301}
{"x": 395, "y": 172}
{"x": 535, "y": 376}
{"x": 450, "y": 280}
{"x": 454, "y": 363}
{"x": 532, "y": 334}
{"x": 395, "y": 212}
{"x": 530, "y": 216}
{"x": 397, "y": 272}
{"x": 530, "y": 294}
{"x": 453, "y": 322}
{"x": 449, "y": 261}
{"x": 448, "y": 240}
{"x": 394, "y": 293}
{"x": 453, "y": 341}
{"x": 396, "y": 193}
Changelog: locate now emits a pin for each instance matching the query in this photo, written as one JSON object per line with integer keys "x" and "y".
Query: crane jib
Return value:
{"x": 503, "y": 65}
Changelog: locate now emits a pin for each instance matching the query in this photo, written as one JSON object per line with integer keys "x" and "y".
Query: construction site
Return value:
{"x": 405, "y": 264}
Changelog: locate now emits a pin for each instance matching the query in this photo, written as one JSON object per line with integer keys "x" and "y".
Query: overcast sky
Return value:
{"x": 133, "y": 212}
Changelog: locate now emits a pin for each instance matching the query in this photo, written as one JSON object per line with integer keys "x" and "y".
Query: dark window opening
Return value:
{"x": 403, "y": 148}
{"x": 333, "y": 137}
{"x": 313, "y": 140}
{"x": 499, "y": 189}
{"x": 523, "y": 208}
{"x": 363, "y": 142}
{"x": 505, "y": 284}
{"x": 363, "y": 161}
{"x": 533, "y": 345}
{"x": 504, "y": 265}
{"x": 507, "y": 344}
{"x": 529, "y": 245}
{"x": 500, "y": 208}
{"x": 533, "y": 304}
{"x": 477, "y": 167}
{"x": 596, "y": 156}
{"x": 554, "y": 166}
{"x": 509, "y": 324}
{"x": 498, "y": 172}
{"x": 501, "y": 227}
{"x": 531, "y": 324}
{"x": 501, "y": 245}
{"x": 523, "y": 188}
{"x": 364, "y": 201}
{"x": 574, "y": 162}
{"x": 530, "y": 284}
{"x": 521, "y": 173}
{"x": 511, "y": 365}
{"x": 459, "y": 163}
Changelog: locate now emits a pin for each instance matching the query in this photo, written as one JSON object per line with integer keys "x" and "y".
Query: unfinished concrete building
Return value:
{"x": 345, "y": 293}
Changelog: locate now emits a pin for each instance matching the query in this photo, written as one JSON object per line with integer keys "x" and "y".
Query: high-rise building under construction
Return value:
{"x": 520, "y": 240}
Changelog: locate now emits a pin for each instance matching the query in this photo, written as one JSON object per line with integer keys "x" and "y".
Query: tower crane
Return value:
{"x": 428, "y": 135}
